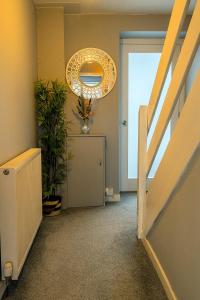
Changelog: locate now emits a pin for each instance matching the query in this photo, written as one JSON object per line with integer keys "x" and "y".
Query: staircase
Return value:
{"x": 178, "y": 159}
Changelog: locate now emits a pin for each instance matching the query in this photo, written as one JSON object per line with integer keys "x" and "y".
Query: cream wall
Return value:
{"x": 17, "y": 73}
{"x": 50, "y": 43}
{"x": 102, "y": 31}
{"x": 175, "y": 236}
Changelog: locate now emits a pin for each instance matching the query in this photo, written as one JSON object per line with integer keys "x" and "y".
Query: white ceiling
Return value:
{"x": 114, "y": 6}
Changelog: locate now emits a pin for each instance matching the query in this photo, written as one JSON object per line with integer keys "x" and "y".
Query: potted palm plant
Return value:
{"x": 52, "y": 131}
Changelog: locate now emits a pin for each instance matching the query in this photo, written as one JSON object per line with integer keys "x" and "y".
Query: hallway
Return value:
{"x": 89, "y": 254}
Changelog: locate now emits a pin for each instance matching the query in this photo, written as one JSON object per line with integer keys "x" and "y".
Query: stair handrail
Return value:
{"x": 178, "y": 17}
{"x": 182, "y": 67}
{"x": 146, "y": 214}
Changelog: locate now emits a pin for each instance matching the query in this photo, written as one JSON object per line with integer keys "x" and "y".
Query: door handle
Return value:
{"x": 100, "y": 162}
{"x": 124, "y": 123}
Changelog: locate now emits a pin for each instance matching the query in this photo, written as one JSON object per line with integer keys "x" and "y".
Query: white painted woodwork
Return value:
{"x": 142, "y": 179}
{"x": 182, "y": 148}
{"x": 175, "y": 26}
{"x": 131, "y": 46}
{"x": 159, "y": 269}
{"x": 184, "y": 143}
{"x": 184, "y": 62}
{"x": 20, "y": 207}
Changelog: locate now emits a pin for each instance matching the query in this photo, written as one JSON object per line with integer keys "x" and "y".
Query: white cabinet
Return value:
{"x": 86, "y": 171}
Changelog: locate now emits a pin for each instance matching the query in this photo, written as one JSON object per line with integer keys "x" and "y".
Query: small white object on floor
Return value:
{"x": 113, "y": 198}
{"x": 109, "y": 192}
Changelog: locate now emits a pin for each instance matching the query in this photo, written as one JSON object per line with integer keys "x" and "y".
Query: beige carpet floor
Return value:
{"x": 89, "y": 254}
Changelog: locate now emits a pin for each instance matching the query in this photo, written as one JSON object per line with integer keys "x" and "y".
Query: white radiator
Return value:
{"x": 20, "y": 207}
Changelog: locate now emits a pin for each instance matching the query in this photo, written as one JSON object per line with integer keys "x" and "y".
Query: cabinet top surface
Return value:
{"x": 86, "y": 135}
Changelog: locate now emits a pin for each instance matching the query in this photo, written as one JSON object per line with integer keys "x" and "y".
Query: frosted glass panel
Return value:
{"x": 142, "y": 69}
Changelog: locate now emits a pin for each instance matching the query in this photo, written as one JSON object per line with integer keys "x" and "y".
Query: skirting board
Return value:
{"x": 161, "y": 273}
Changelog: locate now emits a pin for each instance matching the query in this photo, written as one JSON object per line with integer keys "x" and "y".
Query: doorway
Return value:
{"x": 139, "y": 63}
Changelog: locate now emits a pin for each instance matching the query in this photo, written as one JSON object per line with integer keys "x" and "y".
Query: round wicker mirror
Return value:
{"x": 91, "y": 73}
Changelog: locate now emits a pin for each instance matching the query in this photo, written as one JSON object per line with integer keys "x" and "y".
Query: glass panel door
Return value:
{"x": 139, "y": 67}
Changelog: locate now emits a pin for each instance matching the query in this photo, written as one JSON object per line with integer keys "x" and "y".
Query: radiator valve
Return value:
{"x": 8, "y": 270}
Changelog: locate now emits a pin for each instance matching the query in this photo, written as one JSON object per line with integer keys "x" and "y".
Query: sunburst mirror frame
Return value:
{"x": 91, "y": 55}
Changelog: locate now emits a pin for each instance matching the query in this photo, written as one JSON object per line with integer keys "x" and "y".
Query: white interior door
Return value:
{"x": 139, "y": 63}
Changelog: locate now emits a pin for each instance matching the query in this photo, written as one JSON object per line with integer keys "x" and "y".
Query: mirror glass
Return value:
{"x": 91, "y": 73}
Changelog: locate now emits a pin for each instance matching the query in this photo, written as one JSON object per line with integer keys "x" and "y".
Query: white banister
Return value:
{"x": 183, "y": 64}
{"x": 142, "y": 182}
{"x": 175, "y": 26}
{"x": 182, "y": 147}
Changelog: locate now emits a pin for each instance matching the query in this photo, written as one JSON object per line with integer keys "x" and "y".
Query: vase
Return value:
{"x": 85, "y": 128}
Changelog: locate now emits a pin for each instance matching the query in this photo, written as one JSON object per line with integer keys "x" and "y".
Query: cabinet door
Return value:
{"x": 86, "y": 177}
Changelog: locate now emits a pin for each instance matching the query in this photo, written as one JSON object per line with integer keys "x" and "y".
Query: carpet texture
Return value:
{"x": 89, "y": 254}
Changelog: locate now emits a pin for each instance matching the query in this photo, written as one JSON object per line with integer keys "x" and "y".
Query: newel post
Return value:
{"x": 142, "y": 176}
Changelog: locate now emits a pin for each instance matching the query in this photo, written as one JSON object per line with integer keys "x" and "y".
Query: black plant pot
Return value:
{"x": 52, "y": 206}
